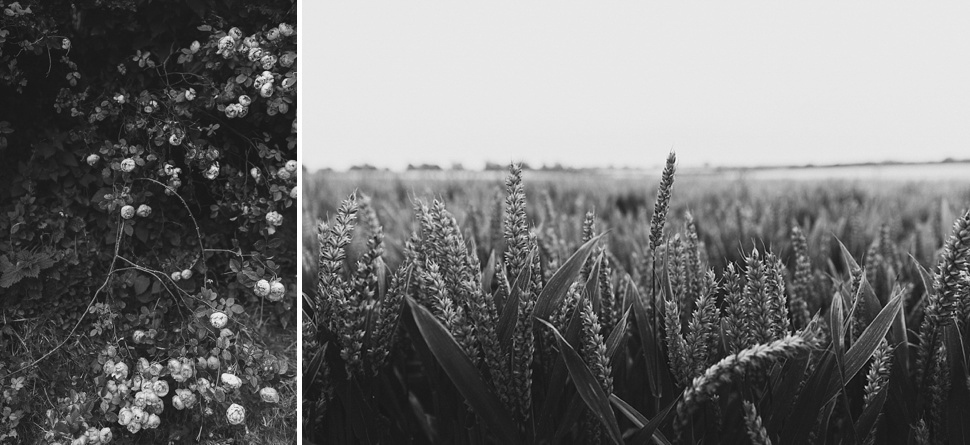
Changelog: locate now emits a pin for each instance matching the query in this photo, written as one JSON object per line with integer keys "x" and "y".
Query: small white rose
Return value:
{"x": 231, "y": 380}
{"x": 272, "y": 34}
{"x": 266, "y": 90}
{"x": 218, "y": 320}
{"x": 144, "y": 210}
{"x": 276, "y": 291}
{"x": 286, "y": 29}
{"x": 245, "y": 100}
{"x": 105, "y": 435}
{"x": 120, "y": 371}
{"x": 160, "y": 388}
{"x": 93, "y": 159}
{"x": 125, "y": 416}
{"x": 186, "y": 274}
{"x": 261, "y": 288}
{"x": 127, "y": 165}
{"x": 236, "y": 414}
{"x": 213, "y": 171}
{"x": 291, "y": 166}
{"x": 153, "y": 421}
{"x": 274, "y": 218}
{"x": 287, "y": 59}
{"x": 175, "y": 139}
{"x": 127, "y": 212}
{"x": 177, "y": 275}
{"x": 293, "y": 192}
{"x": 268, "y": 61}
{"x": 134, "y": 427}
{"x": 269, "y": 395}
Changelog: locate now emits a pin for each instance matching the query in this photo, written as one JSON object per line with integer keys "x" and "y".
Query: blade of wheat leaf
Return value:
{"x": 575, "y": 408}
{"x": 785, "y": 389}
{"x": 464, "y": 374}
{"x": 958, "y": 409}
{"x": 361, "y": 417}
{"x": 925, "y": 275}
{"x": 847, "y": 258}
{"x": 871, "y": 302}
{"x": 648, "y": 347}
{"x": 488, "y": 273}
{"x": 557, "y": 378}
{"x": 824, "y": 383}
{"x": 617, "y": 336}
{"x": 836, "y": 318}
{"x": 810, "y": 401}
{"x": 870, "y": 414}
{"x": 593, "y": 286}
{"x": 424, "y": 421}
{"x": 826, "y": 417}
{"x": 510, "y": 312}
{"x": 648, "y": 428}
{"x": 587, "y": 386}
{"x": 552, "y": 295}
{"x": 860, "y": 351}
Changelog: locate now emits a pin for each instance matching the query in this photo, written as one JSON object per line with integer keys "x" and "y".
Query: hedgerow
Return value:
{"x": 148, "y": 256}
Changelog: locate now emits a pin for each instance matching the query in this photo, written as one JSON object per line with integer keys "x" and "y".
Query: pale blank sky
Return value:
{"x": 621, "y": 83}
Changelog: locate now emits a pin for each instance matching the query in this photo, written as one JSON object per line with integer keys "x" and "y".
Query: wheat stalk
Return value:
{"x": 745, "y": 363}
{"x": 756, "y": 429}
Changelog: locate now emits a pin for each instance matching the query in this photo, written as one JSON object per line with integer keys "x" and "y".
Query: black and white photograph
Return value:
{"x": 636, "y": 222}
{"x": 148, "y": 223}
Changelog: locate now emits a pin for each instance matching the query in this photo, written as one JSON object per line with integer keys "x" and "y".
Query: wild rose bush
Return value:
{"x": 149, "y": 186}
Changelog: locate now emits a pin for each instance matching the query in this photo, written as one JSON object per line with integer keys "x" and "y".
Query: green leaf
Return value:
{"x": 648, "y": 428}
{"x": 548, "y": 414}
{"x": 648, "y": 344}
{"x": 958, "y": 402}
{"x": 617, "y": 335}
{"x": 141, "y": 284}
{"x": 510, "y": 311}
{"x": 464, "y": 374}
{"x": 557, "y": 287}
{"x": 866, "y": 344}
{"x": 587, "y": 386}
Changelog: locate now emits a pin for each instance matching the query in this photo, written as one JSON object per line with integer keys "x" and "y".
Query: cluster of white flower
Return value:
{"x": 140, "y": 397}
{"x": 174, "y": 182}
{"x": 274, "y": 291}
{"x": 182, "y": 275}
{"x": 213, "y": 171}
{"x": 274, "y": 218}
{"x": 93, "y": 436}
{"x": 127, "y": 165}
{"x": 239, "y": 109}
{"x": 128, "y": 211}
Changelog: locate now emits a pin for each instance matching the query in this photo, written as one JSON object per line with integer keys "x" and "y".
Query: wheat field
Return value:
{"x": 535, "y": 307}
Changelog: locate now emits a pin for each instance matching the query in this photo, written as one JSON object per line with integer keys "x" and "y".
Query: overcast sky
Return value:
{"x": 602, "y": 83}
